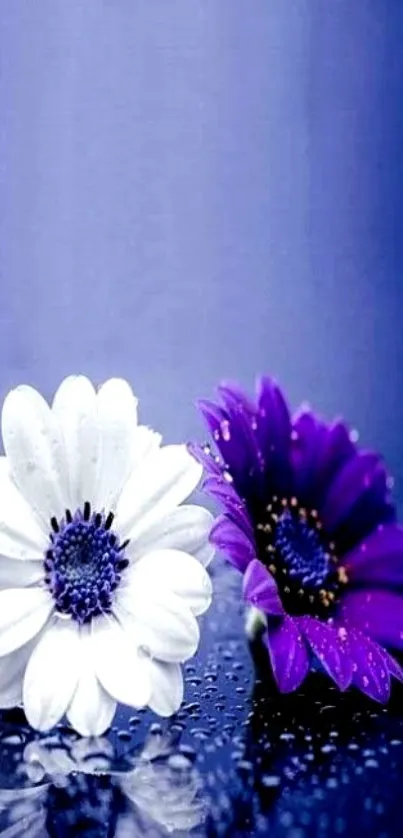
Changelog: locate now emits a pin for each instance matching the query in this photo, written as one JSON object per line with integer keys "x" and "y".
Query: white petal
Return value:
{"x": 173, "y": 571}
{"x": 34, "y": 447}
{"x": 75, "y": 407}
{"x": 22, "y": 534}
{"x": 51, "y": 675}
{"x": 161, "y": 623}
{"x": 145, "y": 441}
{"x": 122, "y": 670}
{"x": 12, "y": 669}
{"x": 91, "y": 709}
{"x": 23, "y": 612}
{"x": 167, "y": 688}
{"x": 15, "y": 574}
{"x": 117, "y": 416}
{"x": 185, "y": 528}
{"x": 31, "y": 824}
{"x": 161, "y": 482}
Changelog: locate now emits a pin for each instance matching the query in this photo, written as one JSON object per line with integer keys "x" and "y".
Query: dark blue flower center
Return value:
{"x": 302, "y": 552}
{"x": 84, "y": 563}
{"x": 293, "y": 546}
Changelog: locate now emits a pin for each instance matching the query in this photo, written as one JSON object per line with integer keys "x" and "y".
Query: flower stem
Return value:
{"x": 255, "y": 623}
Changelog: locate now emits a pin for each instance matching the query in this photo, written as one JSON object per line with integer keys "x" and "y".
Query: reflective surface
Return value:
{"x": 236, "y": 760}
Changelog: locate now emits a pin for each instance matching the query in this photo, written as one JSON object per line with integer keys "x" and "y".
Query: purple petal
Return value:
{"x": 308, "y": 438}
{"x": 372, "y": 509}
{"x": 394, "y": 667}
{"x": 353, "y": 480}
{"x": 234, "y": 436}
{"x": 288, "y": 654}
{"x": 243, "y": 416}
{"x": 225, "y": 494}
{"x": 260, "y": 589}
{"x": 370, "y": 667}
{"x": 232, "y": 541}
{"x": 331, "y": 648}
{"x": 379, "y": 558}
{"x": 377, "y": 613}
{"x": 235, "y": 399}
{"x": 204, "y": 455}
{"x": 274, "y": 433}
{"x": 337, "y": 450}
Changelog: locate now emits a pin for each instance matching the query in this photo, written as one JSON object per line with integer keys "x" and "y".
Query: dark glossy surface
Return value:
{"x": 236, "y": 760}
{"x": 192, "y": 191}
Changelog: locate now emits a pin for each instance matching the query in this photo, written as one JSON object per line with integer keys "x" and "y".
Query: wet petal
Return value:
{"x": 288, "y": 654}
{"x": 260, "y": 589}
{"x": 161, "y": 482}
{"x": 173, "y": 571}
{"x": 121, "y": 669}
{"x": 35, "y": 450}
{"x": 378, "y": 558}
{"x": 377, "y": 613}
{"x": 330, "y": 647}
{"x": 22, "y": 534}
{"x": 167, "y": 687}
{"x": 51, "y": 675}
{"x": 75, "y": 407}
{"x": 23, "y": 612}
{"x": 186, "y": 528}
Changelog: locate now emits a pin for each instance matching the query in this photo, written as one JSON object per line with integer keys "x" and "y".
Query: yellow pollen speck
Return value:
{"x": 284, "y": 502}
{"x": 314, "y": 513}
{"x": 272, "y": 568}
{"x": 294, "y": 502}
{"x": 342, "y": 575}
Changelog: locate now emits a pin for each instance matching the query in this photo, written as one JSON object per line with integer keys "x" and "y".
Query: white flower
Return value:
{"x": 102, "y": 572}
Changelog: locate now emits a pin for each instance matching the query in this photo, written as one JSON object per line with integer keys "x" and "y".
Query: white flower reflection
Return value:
{"x": 79, "y": 788}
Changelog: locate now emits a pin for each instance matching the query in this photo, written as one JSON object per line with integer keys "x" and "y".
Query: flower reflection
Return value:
{"x": 73, "y": 787}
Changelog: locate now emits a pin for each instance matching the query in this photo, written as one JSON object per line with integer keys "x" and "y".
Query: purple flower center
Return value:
{"x": 84, "y": 563}
{"x": 293, "y": 547}
{"x": 302, "y": 553}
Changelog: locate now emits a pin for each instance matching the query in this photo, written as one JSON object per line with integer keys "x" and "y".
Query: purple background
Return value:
{"x": 197, "y": 189}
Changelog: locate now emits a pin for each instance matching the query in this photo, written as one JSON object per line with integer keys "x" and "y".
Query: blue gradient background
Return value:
{"x": 198, "y": 189}
{"x": 205, "y": 189}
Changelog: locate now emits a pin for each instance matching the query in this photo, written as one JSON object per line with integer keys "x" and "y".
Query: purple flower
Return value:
{"x": 309, "y": 522}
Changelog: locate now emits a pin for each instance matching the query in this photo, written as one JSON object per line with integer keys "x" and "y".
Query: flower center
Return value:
{"x": 304, "y": 564}
{"x": 303, "y": 555}
{"x": 84, "y": 563}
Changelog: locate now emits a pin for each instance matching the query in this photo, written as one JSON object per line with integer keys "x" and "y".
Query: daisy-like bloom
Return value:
{"x": 102, "y": 572}
{"x": 309, "y": 522}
